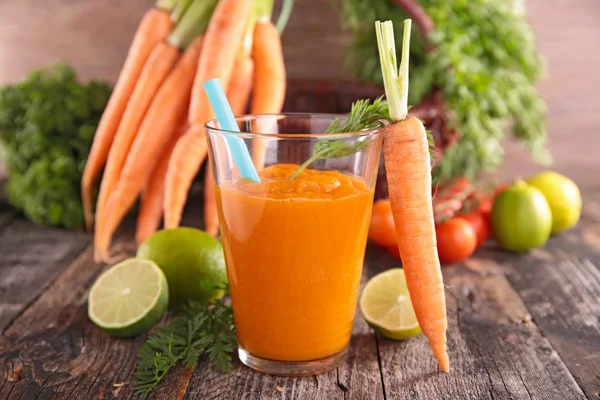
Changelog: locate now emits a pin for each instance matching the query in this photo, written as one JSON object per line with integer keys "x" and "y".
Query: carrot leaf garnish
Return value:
{"x": 364, "y": 115}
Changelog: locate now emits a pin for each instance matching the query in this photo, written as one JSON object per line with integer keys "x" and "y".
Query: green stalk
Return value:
{"x": 284, "y": 16}
{"x": 264, "y": 10}
{"x": 249, "y": 32}
{"x": 182, "y": 6}
{"x": 193, "y": 23}
{"x": 396, "y": 83}
{"x": 167, "y": 5}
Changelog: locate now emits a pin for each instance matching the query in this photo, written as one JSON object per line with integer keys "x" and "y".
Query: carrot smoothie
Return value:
{"x": 294, "y": 251}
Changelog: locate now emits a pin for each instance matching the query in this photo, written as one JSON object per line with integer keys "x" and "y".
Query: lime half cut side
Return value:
{"x": 129, "y": 298}
{"x": 385, "y": 305}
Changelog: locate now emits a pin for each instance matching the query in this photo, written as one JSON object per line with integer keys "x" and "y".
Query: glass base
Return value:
{"x": 292, "y": 368}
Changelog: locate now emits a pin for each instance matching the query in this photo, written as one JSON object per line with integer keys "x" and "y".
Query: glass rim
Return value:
{"x": 210, "y": 125}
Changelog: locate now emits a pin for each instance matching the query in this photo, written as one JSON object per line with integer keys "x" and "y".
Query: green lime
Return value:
{"x": 562, "y": 195}
{"x": 521, "y": 218}
{"x": 385, "y": 305}
{"x": 129, "y": 298}
{"x": 192, "y": 261}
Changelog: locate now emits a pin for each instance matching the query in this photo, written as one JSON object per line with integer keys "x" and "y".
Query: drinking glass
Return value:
{"x": 294, "y": 242}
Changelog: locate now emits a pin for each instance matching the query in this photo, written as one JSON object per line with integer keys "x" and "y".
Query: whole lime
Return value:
{"x": 192, "y": 261}
{"x": 562, "y": 195}
{"x": 521, "y": 218}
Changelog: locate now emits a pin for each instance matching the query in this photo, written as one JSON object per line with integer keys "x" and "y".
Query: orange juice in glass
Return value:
{"x": 294, "y": 242}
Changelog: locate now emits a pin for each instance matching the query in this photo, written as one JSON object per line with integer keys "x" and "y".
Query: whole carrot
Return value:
{"x": 157, "y": 67}
{"x": 181, "y": 172}
{"x": 223, "y": 39}
{"x": 154, "y": 27}
{"x": 408, "y": 169}
{"x": 151, "y": 205}
{"x": 269, "y": 77}
{"x": 238, "y": 94}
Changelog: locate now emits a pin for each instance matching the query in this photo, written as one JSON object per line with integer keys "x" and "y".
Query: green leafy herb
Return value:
{"x": 364, "y": 115}
{"x": 47, "y": 125}
{"x": 485, "y": 63}
{"x": 203, "y": 328}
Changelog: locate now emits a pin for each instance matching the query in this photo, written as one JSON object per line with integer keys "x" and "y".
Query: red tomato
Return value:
{"x": 486, "y": 202}
{"x": 382, "y": 230}
{"x": 456, "y": 240}
{"x": 394, "y": 251}
{"x": 480, "y": 224}
{"x": 460, "y": 183}
{"x": 485, "y": 205}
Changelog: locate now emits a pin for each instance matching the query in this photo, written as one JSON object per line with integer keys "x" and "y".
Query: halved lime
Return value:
{"x": 385, "y": 305}
{"x": 129, "y": 298}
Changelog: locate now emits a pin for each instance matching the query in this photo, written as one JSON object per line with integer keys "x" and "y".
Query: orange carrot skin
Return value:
{"x": 409, "y": 182}
{"x": 159, "y": 64}
{"x": 222, "y": 42}
{"x": 189, "y": 153}
{"x": 211, "y": 218}
{"x": 240, "y": 86}
{"x": 169, "y": 104}
{"x": 269, "y": 70}
{"x": 151, "y": 206}
{"x": 269, "y": 85}
{"x": 154, "y": 27}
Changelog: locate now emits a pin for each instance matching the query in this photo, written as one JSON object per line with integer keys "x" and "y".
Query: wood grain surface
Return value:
{"x": 520, "y": 327}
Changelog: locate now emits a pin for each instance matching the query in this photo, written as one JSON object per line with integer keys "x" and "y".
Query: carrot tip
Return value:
{"x": 444, "y": 362}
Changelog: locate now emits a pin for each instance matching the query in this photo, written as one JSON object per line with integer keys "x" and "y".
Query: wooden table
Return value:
{"x": 520, "y": 327}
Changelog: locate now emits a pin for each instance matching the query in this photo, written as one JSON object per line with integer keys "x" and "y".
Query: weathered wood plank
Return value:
{"x": 359, "y": 377}
{"x": 31, "y": 257}
{"x": 245, "y": 384}
{"x": 59, "y": 350}
{"x": 561, "y": 288}
{"x": 7, "y": 213}
{"x": 495, "y": 351}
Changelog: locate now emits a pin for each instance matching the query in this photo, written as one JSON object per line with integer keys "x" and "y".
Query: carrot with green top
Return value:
{"x": 224, "y": 38}
{"x": 239, "y": 89}
{"x": 167, "y": 107}
{"x": 408, "y": 169}
{"x": 153, "y": 29}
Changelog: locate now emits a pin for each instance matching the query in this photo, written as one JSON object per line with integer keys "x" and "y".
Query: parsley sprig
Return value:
{"x": 203, "y": 328}
{"x": 364, "y": 114}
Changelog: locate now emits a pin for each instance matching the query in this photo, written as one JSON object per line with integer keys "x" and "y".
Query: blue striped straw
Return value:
{"x": 222, "y": 109}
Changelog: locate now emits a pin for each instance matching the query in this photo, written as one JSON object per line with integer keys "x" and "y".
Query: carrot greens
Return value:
{"x": 200, "y": 329}
{"x": 480, "y": 55}
{"x": 364, "y": 115}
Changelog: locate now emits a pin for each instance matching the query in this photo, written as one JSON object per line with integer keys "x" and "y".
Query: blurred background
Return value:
{"x": 94, "y": 36}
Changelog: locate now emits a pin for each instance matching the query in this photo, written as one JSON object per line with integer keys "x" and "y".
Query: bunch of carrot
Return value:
{"x": 151, "y": 141}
